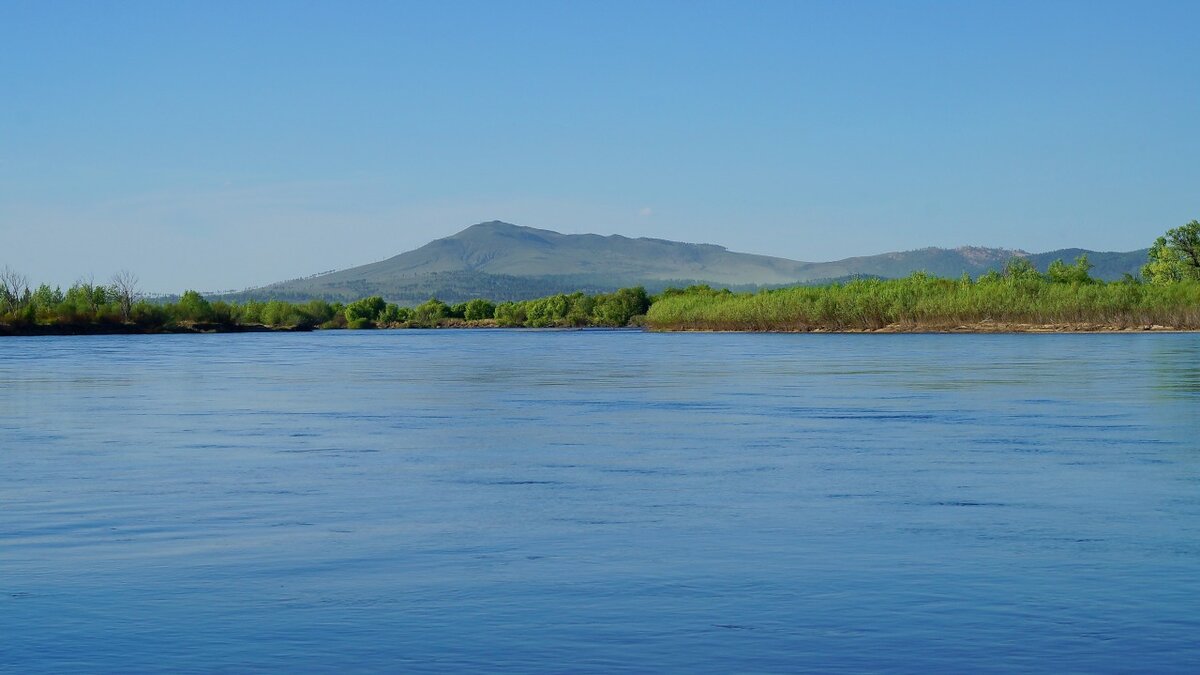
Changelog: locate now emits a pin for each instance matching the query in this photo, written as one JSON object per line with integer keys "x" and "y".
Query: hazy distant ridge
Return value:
{"x": 502, "y": 261}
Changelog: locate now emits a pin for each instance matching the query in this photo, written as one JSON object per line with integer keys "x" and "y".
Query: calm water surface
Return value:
{"x": 600, "y": 501}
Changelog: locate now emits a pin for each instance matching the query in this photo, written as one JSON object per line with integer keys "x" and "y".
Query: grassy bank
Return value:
{"x": 920, "y": 302}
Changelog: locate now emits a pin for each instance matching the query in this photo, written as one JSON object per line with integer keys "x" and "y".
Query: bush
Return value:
{"x": 478, "y": 310}
{"x": 147, "y": 314}
{"x": 192, "y": 307}
{"x": 367, "y": 308}
{"x": 430, "y": 312}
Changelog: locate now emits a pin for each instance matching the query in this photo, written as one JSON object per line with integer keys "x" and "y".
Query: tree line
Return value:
{"x": 1167, "y": 292}
{"x": 119, "y": 305}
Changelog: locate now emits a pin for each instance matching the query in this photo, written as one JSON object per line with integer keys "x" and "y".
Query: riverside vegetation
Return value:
{"x": 1065, "y": 297}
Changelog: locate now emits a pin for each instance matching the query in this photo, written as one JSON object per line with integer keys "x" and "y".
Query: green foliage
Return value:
{"x": 278, "y": 313}
{"x": 250, "y": 312}
{"x": 316, "y": 312}
{"x": 1186, "y": 241}
{"x": 86, "y": 304}
{"x": 991, "y": 277}
{"x": 618, "y": 309}
{"x": 148, "y": 314}
{"x": 933, "y": 303}
{"x": 1066, "y": 294}
{"x": 393, "y": 314}
{"x": 191, "y": 307}
{"x": 1020, "y": 269}
{"x": 549, "y": 311}
{"x": 1062, "y": 273}
{"x": 223, "y": 313}
{"x": 429, "y": 312}
{"x": 478, "y": 310}
{"x": 510, "y": 314}
{"x": 1175, "y": 256}
{"x": 672, "y": 291}
{"x": 367, "y": 309}
{"x": 1164, "y": 265}
{"x": 47, "y": 298}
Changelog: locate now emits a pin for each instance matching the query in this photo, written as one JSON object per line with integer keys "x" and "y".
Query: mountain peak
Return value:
{"x": 492, "y": 225}
{"x": 503, "y": 261}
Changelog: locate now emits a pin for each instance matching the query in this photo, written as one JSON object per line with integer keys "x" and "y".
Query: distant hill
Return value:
{"x": 502, "y": 261}
{"x": 1109, "y": 266}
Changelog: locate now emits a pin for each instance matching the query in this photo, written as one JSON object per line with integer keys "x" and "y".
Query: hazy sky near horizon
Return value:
{"x": 218, "y": 145}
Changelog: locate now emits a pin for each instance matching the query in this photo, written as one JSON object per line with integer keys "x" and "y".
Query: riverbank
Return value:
{"x": 133, "y": 329}
{"x": 983, "y": 327}
{"x": 1016, "y": 303}
{"x": 926, "y": 304}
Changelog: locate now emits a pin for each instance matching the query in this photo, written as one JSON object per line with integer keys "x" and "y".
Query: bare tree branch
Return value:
{"x": 125, "y": 288}
{"x": 14, "y": 289}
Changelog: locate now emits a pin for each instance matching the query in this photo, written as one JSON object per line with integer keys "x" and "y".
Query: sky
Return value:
{"x": 221, "y": 145}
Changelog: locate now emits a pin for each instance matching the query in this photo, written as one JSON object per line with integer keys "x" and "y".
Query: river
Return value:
{"x": 600, "y": 501}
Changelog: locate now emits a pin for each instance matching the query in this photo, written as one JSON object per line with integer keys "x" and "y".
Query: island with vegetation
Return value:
{"x": 1018, "y": 298}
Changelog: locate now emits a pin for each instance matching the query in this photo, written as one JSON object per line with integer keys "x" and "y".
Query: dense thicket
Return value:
{"x": 89, "y": 306}
{"x": 1168, "y": 294}
{"x": 116, "y": 307}
{"x": 562, "y": 310}
{"x": 1020, "y": 296}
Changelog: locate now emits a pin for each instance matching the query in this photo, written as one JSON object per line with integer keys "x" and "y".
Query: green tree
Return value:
{"x": 47, "y": 300}
{"x": 367, "y": 309}
{"x": 580, "y": 312}
{"x": 224, "y": 313}
{"x": 317, "y": 312}
{"x": 1186, "y": 240}
{"x": 395, "y": 314}
{"x": 617, "y": 309}
{"x": 193, "y": 307}
{"x": 478, "y": 309}
{"x": 510, "y": 314}
{"x": 250, "y": 312}
{"x": 548, "y": 311}
{"x": 279, "y": 313}
{"x": 1060, "y": 272}
{"x": 1175, "y": 256}
{"x": 149, "y": 314}
{"x": 430, "y": 312}
{"x": 1018, "y": 269}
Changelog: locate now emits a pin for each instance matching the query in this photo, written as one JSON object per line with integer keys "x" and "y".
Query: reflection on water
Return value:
{"x": 1177, "y": 367}
{"x": 600, "y": 501}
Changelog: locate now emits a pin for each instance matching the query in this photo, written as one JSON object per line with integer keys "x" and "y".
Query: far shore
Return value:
{"x": 133, "y": 329}
{"x": 982, "y": 327}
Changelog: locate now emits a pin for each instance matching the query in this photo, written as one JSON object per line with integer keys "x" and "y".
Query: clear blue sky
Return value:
{"x": 218, "y": 145}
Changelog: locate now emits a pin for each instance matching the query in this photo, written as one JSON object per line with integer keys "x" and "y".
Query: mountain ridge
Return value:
{"x": 503, "y": 261}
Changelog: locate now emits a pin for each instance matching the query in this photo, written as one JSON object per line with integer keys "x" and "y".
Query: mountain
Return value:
{"x": 502, "y": 261}
{"x": 1109, "y": 266}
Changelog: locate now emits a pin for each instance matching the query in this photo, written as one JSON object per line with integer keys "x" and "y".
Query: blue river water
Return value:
{"x": 600, "y": 501}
